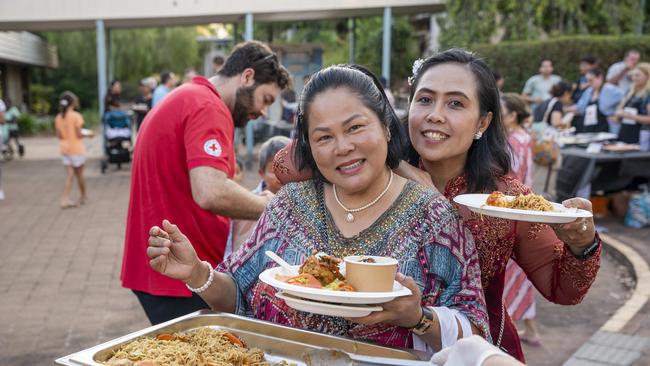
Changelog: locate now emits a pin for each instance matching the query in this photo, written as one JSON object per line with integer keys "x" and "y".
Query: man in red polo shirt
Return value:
{"x": 183, "y": 163}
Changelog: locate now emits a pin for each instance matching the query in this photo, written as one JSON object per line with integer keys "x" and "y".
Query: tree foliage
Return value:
{"x": 138, "y": 53}
{"x": 333, "y": 36}
{"x": 475, "y": 21}
{"x": 135, "y": 53}
{"x": 518, "y": 60}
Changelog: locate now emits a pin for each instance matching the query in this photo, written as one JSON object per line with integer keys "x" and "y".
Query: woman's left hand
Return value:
{"x": 578, "y": 234}
{"x": 404, "y": 311}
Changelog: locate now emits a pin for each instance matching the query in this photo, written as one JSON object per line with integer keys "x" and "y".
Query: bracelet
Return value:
{"x": 425, "y": 322}
{"x": 206, "y": 284}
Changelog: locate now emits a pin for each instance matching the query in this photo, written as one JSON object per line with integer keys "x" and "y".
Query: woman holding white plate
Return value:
{"x": 351, "y": 138}
{"x": 458, "y": 138}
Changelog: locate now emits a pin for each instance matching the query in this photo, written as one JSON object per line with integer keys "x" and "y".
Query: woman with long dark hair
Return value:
{"x": 458, "y": 137}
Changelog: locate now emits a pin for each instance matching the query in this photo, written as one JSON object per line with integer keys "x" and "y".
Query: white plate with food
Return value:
{"x": 531, "y": 208}
{"x": 323, "y": 308}
{"x": 277, "y": 278}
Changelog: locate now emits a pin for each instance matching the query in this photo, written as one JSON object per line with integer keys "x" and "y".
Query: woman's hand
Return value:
{"x": 578, "y": 234}
{"x": 472, "y": 351}
{"x": 404, "y": 311}
{"x": 171, "y": 253}
{"x": 408, "y": 171}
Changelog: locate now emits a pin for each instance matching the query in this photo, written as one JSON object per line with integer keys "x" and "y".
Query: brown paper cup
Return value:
{"x": 370, "y": 277}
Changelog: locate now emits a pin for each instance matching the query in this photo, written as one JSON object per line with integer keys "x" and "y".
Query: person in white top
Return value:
{"x": 618, "y": 73}
{"x": 538, "y": 87}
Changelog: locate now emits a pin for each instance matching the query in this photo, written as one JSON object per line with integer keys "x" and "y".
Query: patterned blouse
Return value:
{"x": 420, "y": 230}
{"x": 556, "y": 273}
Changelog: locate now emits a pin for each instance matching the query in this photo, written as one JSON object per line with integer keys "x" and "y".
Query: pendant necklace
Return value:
{"x": 350, "y": 211}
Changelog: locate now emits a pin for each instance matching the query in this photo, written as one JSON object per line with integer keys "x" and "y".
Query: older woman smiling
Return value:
{"x": 350, "y": 137}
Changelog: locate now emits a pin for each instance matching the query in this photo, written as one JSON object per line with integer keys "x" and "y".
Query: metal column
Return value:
{"x": 352, "y": 29}
{"x": 385, "y": 51}
{"x": 248, "y": 36}
{"x": 110, "y": 65}
{"x": 101, "y": 64}
{"x": 101, "y": 72}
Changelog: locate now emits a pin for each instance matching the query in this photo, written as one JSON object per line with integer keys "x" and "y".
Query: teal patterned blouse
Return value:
{"x": 421, "y": 230}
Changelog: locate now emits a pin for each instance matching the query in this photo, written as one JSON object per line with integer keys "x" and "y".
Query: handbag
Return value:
{"x": 545, "y": 150}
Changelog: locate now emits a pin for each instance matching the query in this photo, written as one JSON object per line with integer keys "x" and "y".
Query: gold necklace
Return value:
{"x": 350, "y": 217}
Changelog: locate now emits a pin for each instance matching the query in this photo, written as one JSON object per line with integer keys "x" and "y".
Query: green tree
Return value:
{"x": 333, "y": 35}
{"x": 475, "y": 21}
{"x": 77, "y": 69}
{"x": 404, "y": 47}
{"x": 135, "y": 54}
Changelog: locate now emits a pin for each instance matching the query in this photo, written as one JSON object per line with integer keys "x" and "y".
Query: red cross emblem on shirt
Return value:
{"x": 212, "y": 147}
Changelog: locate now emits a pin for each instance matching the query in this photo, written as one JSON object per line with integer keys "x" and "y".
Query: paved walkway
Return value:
{"x": 59, "y": 269}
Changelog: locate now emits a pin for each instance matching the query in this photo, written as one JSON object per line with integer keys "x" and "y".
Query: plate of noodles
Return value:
{"x": 201, "y": 347}
{"x": 531, "y": 207}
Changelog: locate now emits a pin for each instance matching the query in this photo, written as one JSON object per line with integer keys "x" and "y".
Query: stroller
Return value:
{"x": 117, "y": 139}
{"x": 8, "y": 133}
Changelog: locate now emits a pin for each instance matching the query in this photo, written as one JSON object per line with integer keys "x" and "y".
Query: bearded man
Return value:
{"x": 183, "y": 165}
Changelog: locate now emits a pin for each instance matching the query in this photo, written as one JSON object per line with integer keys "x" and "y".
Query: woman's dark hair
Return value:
{"x": 560, "y": 88}
{"x": 370, "y": 92}
{"x": 66, "y": 100}
{"x": 588, "y": 58}
{"x": 599, "y": 73}
{"x": 515, "y": 103}
{"x": 112, "y": 100}
{"x": 259, "y": 57}
{"x": 487, "y": 157}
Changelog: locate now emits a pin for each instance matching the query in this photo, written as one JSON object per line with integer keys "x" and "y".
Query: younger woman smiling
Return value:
{"x": 458, "y": 138}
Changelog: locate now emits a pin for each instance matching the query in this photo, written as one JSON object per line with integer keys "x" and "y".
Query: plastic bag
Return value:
{"x": 638, "y": 212}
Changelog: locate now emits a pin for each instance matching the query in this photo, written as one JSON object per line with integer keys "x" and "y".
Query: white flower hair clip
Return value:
{"x": 417, "y": 64}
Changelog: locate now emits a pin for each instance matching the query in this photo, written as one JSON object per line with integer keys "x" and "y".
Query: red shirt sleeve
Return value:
{"x": 208, "y": 139}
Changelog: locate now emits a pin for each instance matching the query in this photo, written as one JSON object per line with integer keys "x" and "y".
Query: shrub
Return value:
{"x": 42, "y": 95}
{"x": 518, "y": 60}
{"x": 91, "y": 118}
{"x": 26, "y": 123}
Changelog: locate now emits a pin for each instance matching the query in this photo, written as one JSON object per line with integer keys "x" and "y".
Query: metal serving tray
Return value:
{"x": 278, "y": 342}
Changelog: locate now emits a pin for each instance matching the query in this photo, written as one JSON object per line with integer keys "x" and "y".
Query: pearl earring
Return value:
{"x": 478, "y": 135}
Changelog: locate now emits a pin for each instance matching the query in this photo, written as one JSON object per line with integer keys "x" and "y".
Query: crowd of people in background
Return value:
{"x": 601, "y": 100}
{"x": 615, "y": 100}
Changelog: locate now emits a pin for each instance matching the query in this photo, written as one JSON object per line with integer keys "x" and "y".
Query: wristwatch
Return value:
{"x": 589, "y": 251}
{"x": 426, "y": 321}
